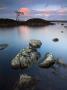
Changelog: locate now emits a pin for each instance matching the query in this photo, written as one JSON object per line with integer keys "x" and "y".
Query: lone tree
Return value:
{"x": 18, "y": 13}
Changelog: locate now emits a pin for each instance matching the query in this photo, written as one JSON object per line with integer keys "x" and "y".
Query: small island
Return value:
{"x": 31, "y": 22}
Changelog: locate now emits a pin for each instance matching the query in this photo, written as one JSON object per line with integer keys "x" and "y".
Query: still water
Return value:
{"x": 18, "y": 38}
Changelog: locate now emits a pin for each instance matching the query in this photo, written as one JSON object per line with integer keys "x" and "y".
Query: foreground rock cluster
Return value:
{"x": 28, "y": 56}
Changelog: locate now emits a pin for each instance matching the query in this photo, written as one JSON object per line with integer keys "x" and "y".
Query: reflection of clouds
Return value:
{"x": 24, "y": 33}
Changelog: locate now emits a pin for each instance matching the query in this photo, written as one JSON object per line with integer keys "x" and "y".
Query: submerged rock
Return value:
{"x": 62, "y": 31}
{"x": 65, "y": 26}
{"x": 25, "y": 79}
{"x": 26, "y": 82}
{"x": 55, "y": 39}
{"x": 62, "y": 24}
{"x": 28, "y": 56}
{"x": 48, "y": 61}
{"x": 3, "y": 46}
{"x": 61, "y": 63}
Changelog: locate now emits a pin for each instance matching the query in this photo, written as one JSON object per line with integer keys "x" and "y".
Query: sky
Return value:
{"x": 46, "y": 9}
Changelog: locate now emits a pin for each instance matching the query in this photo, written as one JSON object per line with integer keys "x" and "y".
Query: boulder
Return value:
{"x": 35, "y": 44}
{"x": 48, "y": 61}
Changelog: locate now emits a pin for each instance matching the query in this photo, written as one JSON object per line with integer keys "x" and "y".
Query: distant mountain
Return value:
{"x": 31, "y": 22}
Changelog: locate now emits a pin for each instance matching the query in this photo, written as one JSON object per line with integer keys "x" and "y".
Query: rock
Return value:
{"x": 65, "y": 26}
{"x": 62, "y": 31}
{"x": 61, "y": 63}
{"x": 35, "y": 44}
{"x": 62, "y": 24}
{"x": 48, "y": 61}
{"x": 55, "y": 39}
{"x": 3, "y": 46}
{"x": 25, "y": 59}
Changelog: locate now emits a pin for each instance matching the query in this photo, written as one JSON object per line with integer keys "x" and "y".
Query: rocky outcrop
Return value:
{"x": 28, "y": 56}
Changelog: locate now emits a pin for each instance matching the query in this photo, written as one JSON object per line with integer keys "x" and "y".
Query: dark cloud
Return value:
{"x": 33, "y": 3}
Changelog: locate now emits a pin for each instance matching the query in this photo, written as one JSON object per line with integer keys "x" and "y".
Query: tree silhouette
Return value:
{"x": 18, "y": 13}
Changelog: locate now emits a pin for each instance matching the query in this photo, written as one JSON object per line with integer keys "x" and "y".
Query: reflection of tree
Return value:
{"x": 18, "y": 13}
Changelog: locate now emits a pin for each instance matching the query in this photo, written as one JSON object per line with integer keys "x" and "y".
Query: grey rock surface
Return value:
{"x": 48, "y": 61}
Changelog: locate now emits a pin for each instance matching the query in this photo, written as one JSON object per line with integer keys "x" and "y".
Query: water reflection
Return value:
{"x": 24, "y": 32}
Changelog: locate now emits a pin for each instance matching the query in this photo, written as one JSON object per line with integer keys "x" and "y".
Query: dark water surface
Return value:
{"x": 18, "y": 38}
